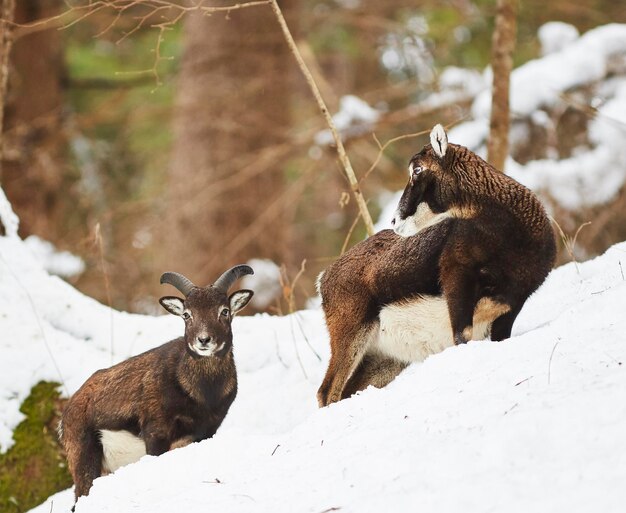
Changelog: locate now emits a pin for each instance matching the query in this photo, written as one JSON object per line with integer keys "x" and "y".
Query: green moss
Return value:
{"x": 34, "y": 468}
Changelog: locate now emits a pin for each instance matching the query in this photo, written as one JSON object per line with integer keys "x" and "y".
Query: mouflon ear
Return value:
{"x": 238, "y": 300}
{"x": 439, "y": 140}
{"x": 173, "y": 305}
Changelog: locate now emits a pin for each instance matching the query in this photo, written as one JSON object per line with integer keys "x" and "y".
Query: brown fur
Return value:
{"x": 495, "y": 243}
{"x": 474, "y": 186}
{"x": 136, "y": 395}
{"x": 170, "y": 396}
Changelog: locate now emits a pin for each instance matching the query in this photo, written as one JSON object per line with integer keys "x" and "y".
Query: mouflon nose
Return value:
{"x": 393, "y": 221}
{"x": 204, "y": 340}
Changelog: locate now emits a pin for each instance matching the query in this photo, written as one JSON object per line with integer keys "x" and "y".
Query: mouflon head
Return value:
{"x": 207, "y": 311}
{"x": 421, "y": 202}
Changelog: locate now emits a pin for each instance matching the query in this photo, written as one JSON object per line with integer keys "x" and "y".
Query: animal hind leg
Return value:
{"x": 346, "y": 354}
{"x": 85, "y": 461}
{"x": 502, "y": 326}
{"x": 375, "y": 369}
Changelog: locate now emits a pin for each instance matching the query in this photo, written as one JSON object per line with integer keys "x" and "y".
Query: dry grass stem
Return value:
{"x": 568, "y": 242}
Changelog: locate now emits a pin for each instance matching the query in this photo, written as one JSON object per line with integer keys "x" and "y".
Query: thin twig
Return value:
{"x": 577, "y": 232}
{"x": 349, "y": 235}
{"x": 292, "y": 287}
{"x": 568, "y": 242}
{"x": 550, "y": 361}
{"x": 306, "y": 339}
{"x": 382, "y": 148}
{"x": 511, "y": 408}
{"x": 343, "y": 157}
{"x": 295, "y": 346}
{"x": 278, "y": 351}
{"x": 523, "y": 381}
{"x": 107, "y": 285}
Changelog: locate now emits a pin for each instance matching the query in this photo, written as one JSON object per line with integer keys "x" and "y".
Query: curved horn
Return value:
{"x": 178, "y": 281}
{"x": 225, "y": 281}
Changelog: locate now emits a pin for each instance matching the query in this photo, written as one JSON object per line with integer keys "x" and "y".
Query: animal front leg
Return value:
{"x": 460, "y": 292}
{"x": 157, "y": 440}
{"x": 502, "y": 326}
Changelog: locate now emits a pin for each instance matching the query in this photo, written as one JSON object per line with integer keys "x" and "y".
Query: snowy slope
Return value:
{"x": 533, "y": 423}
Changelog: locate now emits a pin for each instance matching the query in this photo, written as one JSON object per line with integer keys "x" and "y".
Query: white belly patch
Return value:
{"x": 119, "y": 449}
{"x": 412, "y": 330}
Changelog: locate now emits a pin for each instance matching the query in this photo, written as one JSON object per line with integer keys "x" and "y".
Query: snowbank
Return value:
{"x": 59, "y": 263}
{"x": 533, "y": 423}
{"x": 595, "y": 172}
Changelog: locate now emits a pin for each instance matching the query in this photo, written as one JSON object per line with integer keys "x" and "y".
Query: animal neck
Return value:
{"x": 479, "y": 183}
{"x": 199, "y": 374}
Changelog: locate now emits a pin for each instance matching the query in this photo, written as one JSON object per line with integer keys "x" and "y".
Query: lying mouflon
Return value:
{"x": 167, "y": 397}
{"x": 470, "y": 246}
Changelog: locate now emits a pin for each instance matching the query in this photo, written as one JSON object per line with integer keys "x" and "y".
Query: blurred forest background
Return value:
{"x": 148, "y": 139}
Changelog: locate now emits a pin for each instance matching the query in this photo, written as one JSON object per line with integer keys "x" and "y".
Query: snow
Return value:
{"x": 595, "y": 173}
{"x": 453, "y": 77}
{"x": 389, "y": 204}
{"x": 7, "y": 217}
{"x": 406, "y": 51}
{"x": 532, "y": 423}
{"x": 265, "y": 282}
{"x": 355, "y": 116}
{"x": 540, "y": 82}
{"x": 59, "y": 263}
{"x": 556, "y": 35}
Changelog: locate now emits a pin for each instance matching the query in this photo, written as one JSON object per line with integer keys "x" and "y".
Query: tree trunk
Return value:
{"x": 33, "y": 141}
{"x": 7, "y": 12}
{"x": 227, "y": 167}
{"x": 503, "y": 45}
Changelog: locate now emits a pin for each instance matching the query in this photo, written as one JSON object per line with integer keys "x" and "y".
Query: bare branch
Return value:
{"x": 343, "y": 157}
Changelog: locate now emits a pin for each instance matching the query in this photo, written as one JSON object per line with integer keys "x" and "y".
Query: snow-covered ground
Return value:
{"x": 534, "y": 423}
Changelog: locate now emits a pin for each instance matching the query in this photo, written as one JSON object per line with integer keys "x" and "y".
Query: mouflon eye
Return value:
{"x": 225, "y": 312}
{"x": 416, "y": 170}
{"x": 186, "y": 315}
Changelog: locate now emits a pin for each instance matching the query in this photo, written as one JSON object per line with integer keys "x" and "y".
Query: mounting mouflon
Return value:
{"x": 165, "y": 398}
{"x": 470, "y": 245}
